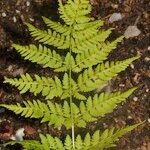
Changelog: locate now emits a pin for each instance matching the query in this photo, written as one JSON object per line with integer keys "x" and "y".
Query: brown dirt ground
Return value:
{"x": 12, "y": 16}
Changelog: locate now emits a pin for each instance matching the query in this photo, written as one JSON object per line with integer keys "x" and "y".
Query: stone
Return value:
{"x": 115, "y": 17}
{"x": 131, "y": 31}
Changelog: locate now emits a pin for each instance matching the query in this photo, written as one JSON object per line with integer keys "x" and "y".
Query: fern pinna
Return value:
{"x": 83, "y": 67}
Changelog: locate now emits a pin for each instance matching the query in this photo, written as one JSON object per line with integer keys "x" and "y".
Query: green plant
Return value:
{"x": 82, "y": 67}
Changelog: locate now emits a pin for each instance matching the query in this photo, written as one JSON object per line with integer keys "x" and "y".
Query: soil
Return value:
{"x": 14, "y": 13}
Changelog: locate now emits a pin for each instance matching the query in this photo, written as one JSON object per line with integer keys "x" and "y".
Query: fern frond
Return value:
{"x": 58, "y": 27}
{"x": 80, "y": 46}
{"x": 47, "y": 86}
{"x": 98, "y": 141}
{"x": 75, "y": 11}
{"x": 40, "y": 55}
{"x": 87, "y": 30}
{"x": 64, "y": 15}
{"x": 49, "y": 37}
{"x": 88, "y": 48}
{"x": 102, "y": 104}
{"x": 92, "y": 79}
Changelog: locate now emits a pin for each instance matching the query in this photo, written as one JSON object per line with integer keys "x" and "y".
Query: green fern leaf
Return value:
{"x": 108, "y": 138}
{"x": 41, "y": 55}
{"x": 75, "y": 90}
{"x": 92, "y": 79}
{"x": 58, "y": 27}
{"x": 64, "y": 14}
{"x": 87, "y": 30}
{"x": 78, "y": 142}
{"x": 49, "y": 37}
{"x": 75, "y": 11}
{"x": 37, "y": 109}
{"x": 68, "y": 143}
{"x": 47, "y": 86}
{"x": 66, "y": 63}
{"x": 80, "y": 46}
{"x": 101, "y": 105}
{"x": 55, "y": 114}
{"x": 87, "y": 49}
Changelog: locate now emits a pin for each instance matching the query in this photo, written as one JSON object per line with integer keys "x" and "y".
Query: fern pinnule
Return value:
{"x": 75, "y": 12}
{"x": 91, "y": 79}
{"x": 49, "y": 37}
{"x": 80, "y": 45}
{"x": 40, "y": 55}
{"x": 49, "y": 87}
{"x": 108, "y": 137}
{"x": 100, "y": 105}
{"x": 85, "y": 31}
{"x": 56, "y": 26}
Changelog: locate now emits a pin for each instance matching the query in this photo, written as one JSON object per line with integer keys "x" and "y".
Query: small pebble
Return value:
{"x": 129, "y": 117}
{"x": 31, "y": 19}
{"x": 147, "y": 59}
{"x": 14, "y": 19}
{"x": 122, "y": 85}
{"x": 3, "y": 14}
{"x": 148, "y": 120}
{"x": 148, "y": 48}
{"x": 135, "y": 99}
{"x": 105, "y": 125}
{"x": 115, "y": 17}
{"x": 136, "y": 77}
{"x": 39, "y": 131}
{"x": 115, "y": 6}
{"x": 131, "y": 31}
{"x": 17, "y": 11}
{"x": 19, "y": 135}
{"x": 147, "y": 90}
{"x": 28, "y": 3}
{"x": 10, "y": 67}
{"x": 59, "y": 128}
{"x": 116, "y": 120}
{"x": 22, "y": 18}
{"x": 132, "y": 66}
